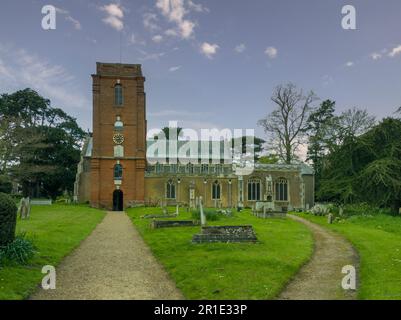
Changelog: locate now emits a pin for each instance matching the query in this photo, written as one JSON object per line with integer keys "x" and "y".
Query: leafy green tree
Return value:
{"x": 42, "y": 147}
{"x": 366, "y": 168}
{"x": 320, "y": 129}
{"x": 270, "y": 159}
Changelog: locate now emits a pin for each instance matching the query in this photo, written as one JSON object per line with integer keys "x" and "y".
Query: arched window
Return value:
{"x": 118, "y": 172}
{"x": 253, "y": 190}
{"x": 216, "y": 191}
{"x": 170, "y": 190}
{"x": 205, "y": 169}
{"x": 118, "y": 95}
{"x": 281, "y": 189}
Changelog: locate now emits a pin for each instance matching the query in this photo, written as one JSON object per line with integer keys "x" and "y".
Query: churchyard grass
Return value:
{"x": 229, "y": 271}
{"x": 56, "y": 230}
{"x": 377, "y": 239}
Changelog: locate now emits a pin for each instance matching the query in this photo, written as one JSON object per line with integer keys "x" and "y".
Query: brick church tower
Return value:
{"x": 119, "y": 136}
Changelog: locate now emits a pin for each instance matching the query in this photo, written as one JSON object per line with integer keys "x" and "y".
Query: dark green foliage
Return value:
{"x": 8, "y": 219}
{"x": 39, "y": 144}
{"x": 5, "y": 184}
{"x": 20, "y": 251}
{"x": 366, "y": 168}
{"x": 211, "y": 215}
{"x": 321, "y": 124}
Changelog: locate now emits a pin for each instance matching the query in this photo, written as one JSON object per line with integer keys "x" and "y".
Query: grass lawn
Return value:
{"x": 56, "y": 231}
{"x": 229, "y": 271}
{"x": 378, "y": 241}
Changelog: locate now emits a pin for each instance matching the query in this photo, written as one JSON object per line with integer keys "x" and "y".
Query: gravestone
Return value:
{"x": 25, "y": 208}
{"x": 330, "y": 218}
{"x": 341, "y": 211}
{"x": 202, "y": 214}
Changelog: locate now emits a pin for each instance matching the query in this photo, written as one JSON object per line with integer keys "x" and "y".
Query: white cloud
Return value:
{"x": 349, "y": 64}
{"x": 395, "y": 51}
{"x": 271, "y": 52}
{"x": 151, "y": 56}
{"x": 174, "y": 69}
{"x": 157, "y": 38}
{"x": 175, "y": 11}
{"x": 114, "y": 9}
{"x": 76, "y": 24}
{"x": 197, "y": 7}
{"x": 150, "y": 22}
{"x": 240, "y": 48}
{"x": 376, "y": 56}
{"x": 209, "y": 50}
{"x": 115, "y": 15}
{"x": 134, "y": 39}
{"x": 171, "y": 33}
{"x": 21, "y": 69}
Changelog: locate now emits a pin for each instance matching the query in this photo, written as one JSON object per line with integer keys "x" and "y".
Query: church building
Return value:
{"x": 114, "y": 172}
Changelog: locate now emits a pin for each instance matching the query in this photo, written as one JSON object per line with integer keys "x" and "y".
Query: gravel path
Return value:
{"x": 320, "y": 278}
{"x": 112, "y": 263}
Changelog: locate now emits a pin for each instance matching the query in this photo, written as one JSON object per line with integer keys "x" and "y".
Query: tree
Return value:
{"x": 270, "y": 159}
{"x": 286, "y": 126}
{"x": 354, "y": 122}
{"x": 256, "y": 146}
{"x": 42, "y": 147}
{"x": 320, "y": 128}
{"x": 368, "y": 171}
{"x": 166, "y": 132}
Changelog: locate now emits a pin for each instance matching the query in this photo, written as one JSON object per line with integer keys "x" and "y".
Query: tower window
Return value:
{"x": 118, "y": 95}
{"x": 118, "y": 172}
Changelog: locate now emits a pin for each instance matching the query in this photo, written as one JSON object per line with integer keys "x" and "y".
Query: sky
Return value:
{"x": 207, "y": 63}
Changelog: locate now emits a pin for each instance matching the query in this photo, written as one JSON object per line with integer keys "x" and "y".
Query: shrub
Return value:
{"x": 8, "y": 219}
{"x": 211, "y": 215}
{"x": 20, "y": 251}
{"x": 6, "y": 185}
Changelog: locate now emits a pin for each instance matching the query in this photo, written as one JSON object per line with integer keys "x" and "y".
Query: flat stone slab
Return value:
{"x": 268, "y": 215}
{"x": 159, "y": 216}
{"x": 225, "y": 234}
{"x": 156, "y": 224}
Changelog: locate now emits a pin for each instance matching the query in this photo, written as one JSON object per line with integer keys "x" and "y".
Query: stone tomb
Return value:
{"x": 225, "y": 234}
{"x": 265, "y": 210}
{"x": 156, "y": 224}
{"x": 164, "y": 215}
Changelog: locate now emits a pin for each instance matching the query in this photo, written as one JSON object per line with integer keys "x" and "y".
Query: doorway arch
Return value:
{"x": 118, "y": 200}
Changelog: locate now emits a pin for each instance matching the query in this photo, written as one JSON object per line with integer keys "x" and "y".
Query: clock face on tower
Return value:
{"x": 118, "y": 138}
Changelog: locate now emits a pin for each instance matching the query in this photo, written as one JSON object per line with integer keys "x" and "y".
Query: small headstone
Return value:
{"x": 25, "y": 208}
{"x": 202, "y": 215}
{"x": 176, "y": 210}
{"x": 330, "y": 218}
{"x": 399, "y": 211}
{"x": 341, "y": 211}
